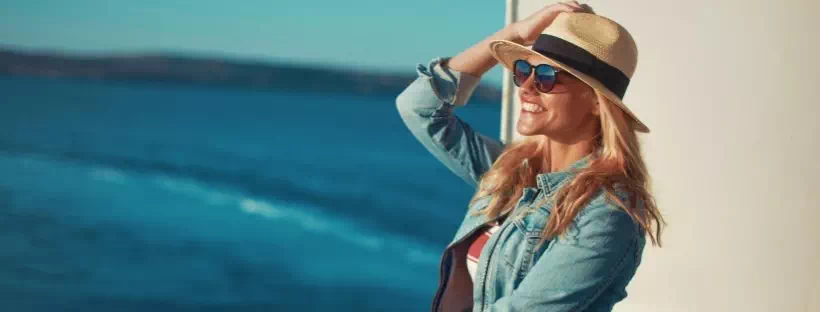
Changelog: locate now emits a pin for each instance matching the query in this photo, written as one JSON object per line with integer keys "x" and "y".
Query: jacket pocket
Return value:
{"x": 532, "y": 221}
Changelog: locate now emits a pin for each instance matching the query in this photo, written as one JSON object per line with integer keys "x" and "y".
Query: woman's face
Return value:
{"x": 569, "y": 111}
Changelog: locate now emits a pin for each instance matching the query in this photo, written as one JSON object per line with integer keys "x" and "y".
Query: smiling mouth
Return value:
{"x": 532, "y": 108}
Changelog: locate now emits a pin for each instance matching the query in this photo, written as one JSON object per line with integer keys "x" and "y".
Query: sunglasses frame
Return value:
{"x": 533, "y": 69}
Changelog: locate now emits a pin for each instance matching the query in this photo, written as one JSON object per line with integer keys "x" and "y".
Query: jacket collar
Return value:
{"x": 549, "y": 182}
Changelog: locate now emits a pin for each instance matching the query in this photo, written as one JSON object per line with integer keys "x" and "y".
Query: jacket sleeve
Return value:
{"x": 577, "y": 267}
{"x": 426, "y": 107}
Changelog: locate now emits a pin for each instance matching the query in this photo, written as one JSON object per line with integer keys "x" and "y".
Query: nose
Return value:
{"x": 528, "y": 88}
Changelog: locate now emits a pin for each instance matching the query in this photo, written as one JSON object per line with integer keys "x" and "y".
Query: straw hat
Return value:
{"x": 597, "y": 50}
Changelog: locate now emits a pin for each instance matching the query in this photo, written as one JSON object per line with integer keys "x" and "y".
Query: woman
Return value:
{"x": 560, "y": 217}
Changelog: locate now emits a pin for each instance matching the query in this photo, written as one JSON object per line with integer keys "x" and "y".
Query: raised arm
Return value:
{"x": 426, "y": 106}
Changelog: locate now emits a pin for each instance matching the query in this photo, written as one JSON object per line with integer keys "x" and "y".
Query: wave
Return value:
{"x": 401, "y": 217}
{"x": 307, "y": 218}
{"x": 94, "y": 263}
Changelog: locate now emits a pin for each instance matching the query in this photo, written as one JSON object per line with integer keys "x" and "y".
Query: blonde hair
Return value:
{"x": 617, "y": 166}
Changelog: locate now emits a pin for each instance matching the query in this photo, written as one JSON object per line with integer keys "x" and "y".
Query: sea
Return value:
{"x": 123, "y": 196}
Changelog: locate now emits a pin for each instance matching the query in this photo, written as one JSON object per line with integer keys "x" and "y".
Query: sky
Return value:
{"x": 367, "y": 34}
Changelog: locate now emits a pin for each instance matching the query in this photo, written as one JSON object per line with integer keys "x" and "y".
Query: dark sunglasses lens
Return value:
{"x": 544, "y": 78}
{"x": 521, "y": 72}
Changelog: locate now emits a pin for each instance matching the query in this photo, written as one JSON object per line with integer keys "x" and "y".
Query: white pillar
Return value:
{"x": 730, "y": 91}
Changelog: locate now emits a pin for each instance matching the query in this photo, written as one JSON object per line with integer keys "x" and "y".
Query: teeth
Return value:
{"x": 532, "y": 107}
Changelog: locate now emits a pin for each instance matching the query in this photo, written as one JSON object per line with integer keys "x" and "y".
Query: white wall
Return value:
{"x": 729, "y": 89}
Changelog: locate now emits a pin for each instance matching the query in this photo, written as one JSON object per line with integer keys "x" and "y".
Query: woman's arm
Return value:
{"x": 477, "y": 59}
{"x": 426, "y": 107}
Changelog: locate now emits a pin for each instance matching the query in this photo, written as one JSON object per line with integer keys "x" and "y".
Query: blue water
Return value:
{"x": 134, "y": 197}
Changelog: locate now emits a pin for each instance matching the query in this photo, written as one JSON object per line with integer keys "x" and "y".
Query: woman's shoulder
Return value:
{"x": 603, "y": 213}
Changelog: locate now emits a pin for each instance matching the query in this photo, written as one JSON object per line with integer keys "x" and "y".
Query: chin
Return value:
{"x": 527, "y": 131}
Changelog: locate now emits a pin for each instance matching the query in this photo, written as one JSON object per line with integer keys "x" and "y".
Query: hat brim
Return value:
{"x": 507, "y": 52}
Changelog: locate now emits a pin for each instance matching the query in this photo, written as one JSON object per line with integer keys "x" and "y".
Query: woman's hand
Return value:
{"x": 528, "y": 29}
{"x": 477, "y": 59}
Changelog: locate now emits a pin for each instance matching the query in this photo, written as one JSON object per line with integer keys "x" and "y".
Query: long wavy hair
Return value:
{"x": 616, "y": 165}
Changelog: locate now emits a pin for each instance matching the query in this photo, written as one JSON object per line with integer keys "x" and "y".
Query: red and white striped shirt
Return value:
{"x": 474, "y": 252}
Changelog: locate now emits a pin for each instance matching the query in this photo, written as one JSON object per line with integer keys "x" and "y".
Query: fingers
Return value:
{"x": 573, "y": 6}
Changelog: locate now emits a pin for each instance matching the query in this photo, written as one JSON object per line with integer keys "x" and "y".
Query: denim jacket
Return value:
{"x": 586, "y": 269}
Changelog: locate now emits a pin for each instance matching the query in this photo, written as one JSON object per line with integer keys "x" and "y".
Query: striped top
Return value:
{"x": 474, "y": 252}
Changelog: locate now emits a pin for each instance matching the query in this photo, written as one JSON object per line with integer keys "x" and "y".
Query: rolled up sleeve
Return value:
{"x": 426, "y": 106}
{"x": 452, "y": 87}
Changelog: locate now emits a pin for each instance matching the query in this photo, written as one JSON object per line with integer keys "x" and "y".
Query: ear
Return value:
{"x": 596, "y": 109}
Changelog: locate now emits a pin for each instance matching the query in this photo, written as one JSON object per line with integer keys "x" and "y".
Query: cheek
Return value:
{"x": 569, "y": 111}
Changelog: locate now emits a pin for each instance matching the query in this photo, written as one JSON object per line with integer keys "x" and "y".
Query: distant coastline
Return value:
{"x": 212, "y": 71}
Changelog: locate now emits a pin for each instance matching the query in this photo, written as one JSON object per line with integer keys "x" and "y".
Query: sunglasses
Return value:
{"x": 545, "y": 75}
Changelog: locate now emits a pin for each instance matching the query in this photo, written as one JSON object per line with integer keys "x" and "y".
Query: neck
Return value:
{"x": 560, "y": 154}
{"x": 564, "y": 149}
